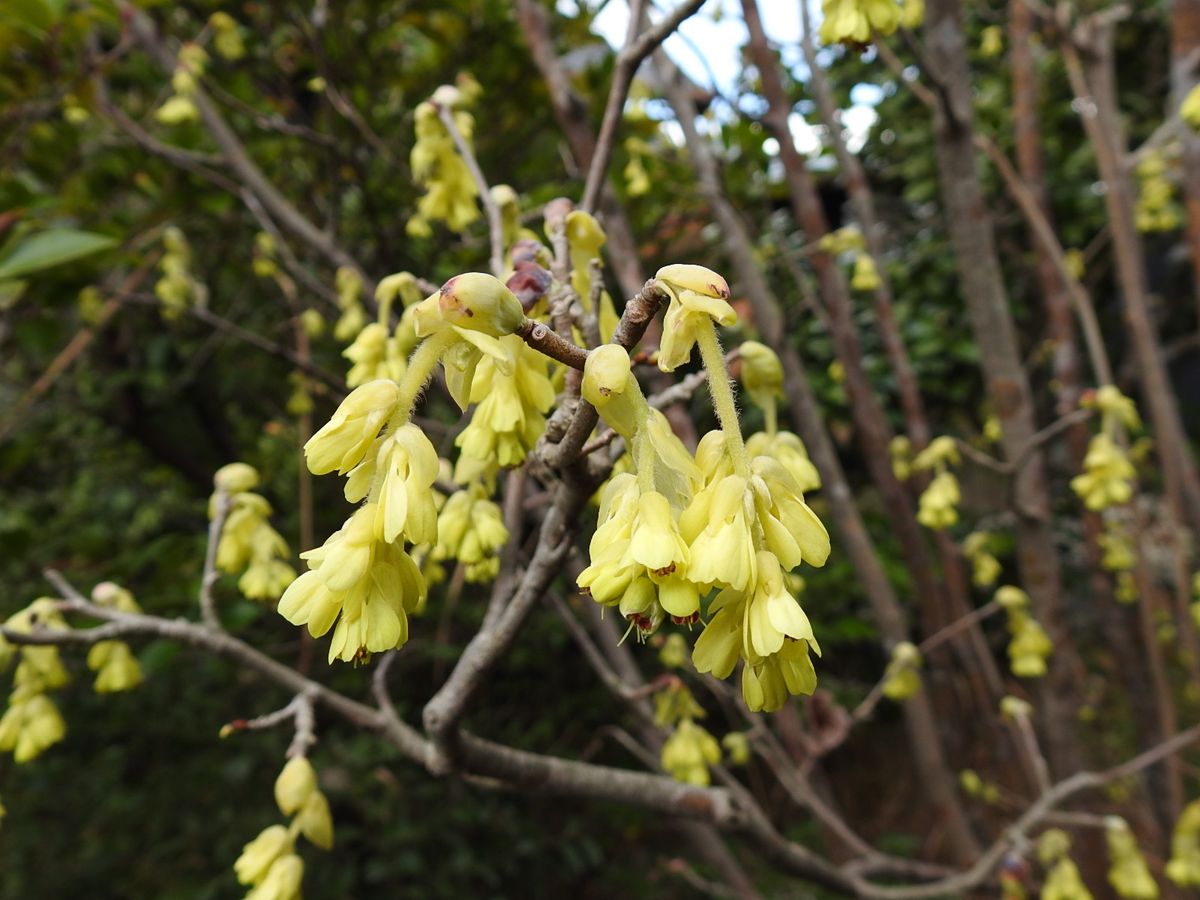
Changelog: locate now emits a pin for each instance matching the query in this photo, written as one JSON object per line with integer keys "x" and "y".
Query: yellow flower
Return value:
{"x": 1108, "y": 475}
{"x": 282, "y": 881}
{"x": 227, "y": 37}
{"x": 510, "y": 416}
{"x": 762, "y": 373}
{"x": 688, "y": 753}
{"x": 697, "y": 295}
{"x": 115, "y": 666}
{"x": 717, "y": 527}
{"x": 789, "y": 451}
{"x": 866, "y": 276}
{"x": 1127, "y": 873}
{"x": 771, "y": 614}
{"x": 1184, "y": 867}
{"x": 367, "y": 586}
{"x": 470, "y": 528}
{"x": 991, "y": 42}
{"x": 902, "y": 679}
{"x": 315, "y": 821}
{"x": 674, "y": 651}
{"x": 985, "y": 567}
{"x": 766, "y": 685}
{"x": 295, "y": 784}
{"x": 938, "y": 504}
{"x": 30, "y": 725}
{"x": 235, "y": 478}
{"x": 1189, "y": 110}
{"x": 260, "y": 854}
{"x": 401, "y": 478}
{"x": 852, "y": 21}
{"x": 343, "y": 441}
{"x": 737, "y": 747}
{"x": 900, "y": 450}
{"x": 450, "y": 190}
{"x": 791, "y": 530}
{"x": 476, "y": 301}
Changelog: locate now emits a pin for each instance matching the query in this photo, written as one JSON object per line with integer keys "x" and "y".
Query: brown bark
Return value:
{"x": 855, "y": 542}
{"x": 973, "y": 239}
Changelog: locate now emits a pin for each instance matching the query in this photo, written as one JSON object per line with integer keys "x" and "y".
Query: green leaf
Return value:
{"x": 52, "y": 248}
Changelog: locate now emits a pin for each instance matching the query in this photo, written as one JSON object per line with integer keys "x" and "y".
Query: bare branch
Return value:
{"x": 222, "y": 504}
{"x": 629, "y": 59}
{"x": 495, "y": 225}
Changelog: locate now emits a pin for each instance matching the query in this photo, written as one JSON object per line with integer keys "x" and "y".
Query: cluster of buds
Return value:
{"x": 985, "y": 568}
{"x": 902, "y": 678}
{"x": 1108, "y": 475}
{"x": 269, "y": 864}
{"x": 1156, "y": 207}
{"x": 227, "y": 36}
{"x": 938, "y": 505}
{"x": 176, "y": 287}
{"x": 690, "y": 750}
{"x": 1063, "y": 881}
{"x": 348, "y": 285}
{"x": 116, "y": 668}
{"x": 679, "y": 527}
{"x": 471, "y": 530}
{"x": 189, "y": 68}
{"x": 1029, "y": 646}
{"x": 1127, "y": 873}
{"x": 855, "y": 22}
{"x": 1184, "y": 866}
{"x": 249, "y": 546}
{"x": 32, "y": 722}
{"x": 450, "y": 191}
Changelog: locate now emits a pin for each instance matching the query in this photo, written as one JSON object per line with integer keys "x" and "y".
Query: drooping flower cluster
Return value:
{"x": 1156, "y": 207}
{"x": 1029, "y": 646}
{"x": 269, "y": 864}
{"x": 364, "y": 578}
{"x": 679, "y": 529}
{"x": 116, "y": 668}
{"x": 690, "y": 750}
{"x": 854, "y": 21}
{"x": 177, "y": 288}
{"x": 1127, "y": 873}
{"x": 378, "y": 351}
{"x": 1063, "y": 881}
{"x": 1184, "y": 865}
{"x": 227, "y": 36}
{"x": 471, "y": 529}
{"x": 32, "y": 722}
{"x": 938, "y": 504}
{"x": 1108, "y": 475}
{"x": 348, "y": 285}
{"x": 985, "y": 568}
{"x": 189, "y": 67}
{"x": 248, "y": 544}
{"x": 450, "y": 191}
{"x": 902, "y": 678}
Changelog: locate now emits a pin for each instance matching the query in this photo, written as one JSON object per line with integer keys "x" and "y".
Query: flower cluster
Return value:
{"x": 985, "y": 568}
{"x": 379, "y": 351}
{"x": 189, "y": 67}
{"x": 762, "y": 379}
{"x": 177, "y": 288}
{"x": 227, "y": 36}
{"x": 854, "y": 21}
{"x": 902, "y": 678}
{"x": 269, "y": 864}
{"x": 1156, "y": 207}
{"x": 32, "y": 723}
{"x": 470, "y": 528}
{"x": 1029, "y": 646}
{"x": 450, "y": 191}
{"x": 348, "y": 285}
{"x": 1063, "y": 881}
{"x": 1108, "y": 475}
{"x": 1127, "y": 873}
{"x": 690, "y": 750}
{"x": 938, "y": 504}
{"x": 116, "y": 668}
{"x": 1184, "y": 866}
{"x": 248, "y": 544}
{"x": 365, "y": 578}
{"x": 678, "y": 529}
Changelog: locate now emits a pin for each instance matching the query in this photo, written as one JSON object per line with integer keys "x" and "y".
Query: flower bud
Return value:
{"x": 295, "y": 784}
{"x": 1015, "y": 708}
{"x": 762, "y": 373}
{"x": 480, "y": 302}
{"x": 260, "y": 854}
{"x": 683, "y": 277}
{"x": 605, "y": 373}
{"x": 236, "y": 478}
